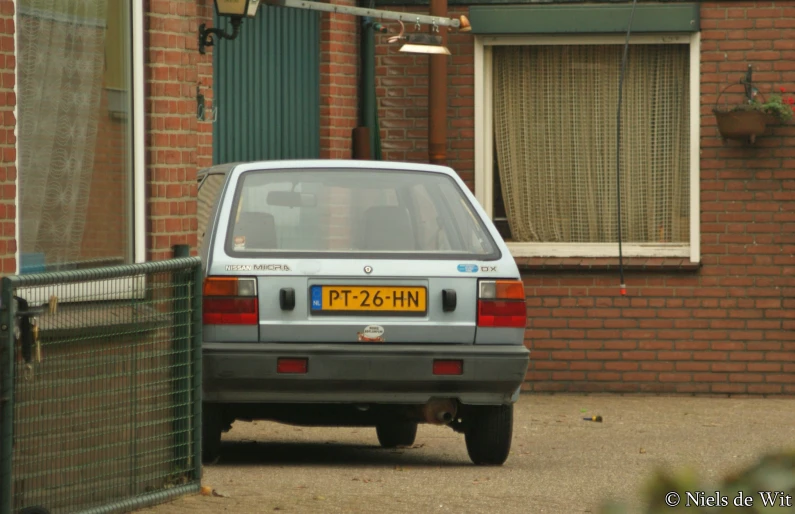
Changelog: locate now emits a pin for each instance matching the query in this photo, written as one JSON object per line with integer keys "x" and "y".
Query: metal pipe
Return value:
{"x": 437, "y": 94}
{"x": 7, "y": 359}
{"x": 439, "y": 21}
{"x": 196, "y": 386}
{"x": 439, "y": 411}
{"x": 363, "y": 140}
{"x": 367, "y": 71}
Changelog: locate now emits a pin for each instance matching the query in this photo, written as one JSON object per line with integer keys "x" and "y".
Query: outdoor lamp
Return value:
{"x": 236, "y": 10}
{"x": 419, "y": 43}
{"x": 424, "y": 44}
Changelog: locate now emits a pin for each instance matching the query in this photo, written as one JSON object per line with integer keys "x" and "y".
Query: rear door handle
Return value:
{"x": 287, "y": 298}
{"x": 448, "y": 300}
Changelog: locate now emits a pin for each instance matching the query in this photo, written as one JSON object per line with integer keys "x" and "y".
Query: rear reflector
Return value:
{"x": 284, "y": 365}
{"x": 448, "y": 367}
{"x": 229, "y": 311}
{"x": 501, "y": 313}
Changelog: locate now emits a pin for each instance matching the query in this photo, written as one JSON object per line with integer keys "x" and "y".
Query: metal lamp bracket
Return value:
{"x": 201, "y": 108}
{"x": 748, "y": 82}
{"x": 207, "y": 37}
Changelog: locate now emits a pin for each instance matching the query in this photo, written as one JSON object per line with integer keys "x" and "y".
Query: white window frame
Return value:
{"x": 119, "y": 288}
{"x": 484, "y": 134}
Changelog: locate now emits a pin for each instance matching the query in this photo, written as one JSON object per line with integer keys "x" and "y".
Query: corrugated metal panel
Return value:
{"x": 267, "y": 88}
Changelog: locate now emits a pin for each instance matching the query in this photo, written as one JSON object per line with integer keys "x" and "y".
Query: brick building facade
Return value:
{"x": 723, "y": 323}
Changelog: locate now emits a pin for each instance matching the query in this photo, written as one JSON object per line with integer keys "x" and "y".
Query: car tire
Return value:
{"x": 392, "y": 435}
{"x": 211, "y": 433}
{"x": 488, "y": 435}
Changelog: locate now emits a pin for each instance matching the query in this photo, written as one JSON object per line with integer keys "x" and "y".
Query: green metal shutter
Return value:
{"x": 267, "y": 88}
{"x": 536, "y": 18}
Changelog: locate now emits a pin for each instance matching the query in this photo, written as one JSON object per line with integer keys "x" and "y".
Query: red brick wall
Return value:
{"x": 726, "y": 328}
{"x": 8, "y": 170}
{"x": 339, "y": 67}
{"x": 177, "y": 143}
{"x": 402, "y": 91}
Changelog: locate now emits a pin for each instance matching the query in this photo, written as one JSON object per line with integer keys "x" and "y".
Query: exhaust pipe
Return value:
{"x": 440, "y": 411}
{"x": 445, "y": 417}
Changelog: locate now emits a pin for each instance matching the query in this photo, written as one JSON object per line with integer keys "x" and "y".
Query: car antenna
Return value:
{"x": 623, "y": 286}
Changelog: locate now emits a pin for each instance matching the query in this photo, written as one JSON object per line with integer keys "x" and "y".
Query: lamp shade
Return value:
{"x": 424, "y": 44}
{"x": 409, "y": 48}
{"x": 237, "y": 8}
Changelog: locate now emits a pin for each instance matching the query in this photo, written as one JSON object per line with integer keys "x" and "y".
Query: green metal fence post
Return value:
{"x": 7, "y": 309}
{"x": 196, "y": 344}
{"x": 182, "y": 357}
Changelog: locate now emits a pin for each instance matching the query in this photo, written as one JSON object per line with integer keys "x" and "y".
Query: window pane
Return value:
{"x": 75, "y": 160}
{"x": 555, "y": 133}
{"x": 208, "y": 196}
{"x": 336, "y": 211}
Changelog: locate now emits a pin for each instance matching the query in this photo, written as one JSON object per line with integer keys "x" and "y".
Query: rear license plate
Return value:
{"x": 364, "y": 299}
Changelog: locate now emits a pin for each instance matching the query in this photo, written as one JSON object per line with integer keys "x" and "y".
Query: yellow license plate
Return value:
{"x": 361, "y": 299}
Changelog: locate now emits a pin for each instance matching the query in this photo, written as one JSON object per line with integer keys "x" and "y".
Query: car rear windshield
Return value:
{"x": 338, "y": 213}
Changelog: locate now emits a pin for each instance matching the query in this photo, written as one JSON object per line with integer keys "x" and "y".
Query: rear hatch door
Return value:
{"x": 345, "y": 255}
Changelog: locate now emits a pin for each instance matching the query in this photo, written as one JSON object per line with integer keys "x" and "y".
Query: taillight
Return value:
{"x": 501, "y": 303}
{"x": 230, "y": 301}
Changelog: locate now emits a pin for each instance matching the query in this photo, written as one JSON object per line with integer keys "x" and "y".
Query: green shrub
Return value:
{"x": 773, "y": 473}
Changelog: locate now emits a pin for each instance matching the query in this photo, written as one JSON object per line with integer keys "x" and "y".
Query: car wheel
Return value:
{"x": 396, "y": 434}
{"x": 211, "y": 433}
{"x": 488, "y": 435}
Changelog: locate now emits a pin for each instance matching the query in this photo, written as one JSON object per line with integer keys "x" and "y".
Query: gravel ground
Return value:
{"x": 559, "y": 463}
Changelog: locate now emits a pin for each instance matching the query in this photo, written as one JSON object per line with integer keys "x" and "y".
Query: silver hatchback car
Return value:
{"x": 357, "y": 293}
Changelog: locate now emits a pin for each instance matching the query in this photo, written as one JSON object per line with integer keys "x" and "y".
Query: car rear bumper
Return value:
{"x": 395, "y": 374}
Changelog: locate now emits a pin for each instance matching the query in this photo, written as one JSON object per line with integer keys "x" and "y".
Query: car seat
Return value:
{"x": 259, "y": 229}
{"x": 388, "y": 228}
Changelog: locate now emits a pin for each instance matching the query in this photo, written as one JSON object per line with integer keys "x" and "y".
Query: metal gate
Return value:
{"x": 100, "y": 398}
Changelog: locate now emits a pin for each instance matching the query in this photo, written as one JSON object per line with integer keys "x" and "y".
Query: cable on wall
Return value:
{"x": 618, "y": 147}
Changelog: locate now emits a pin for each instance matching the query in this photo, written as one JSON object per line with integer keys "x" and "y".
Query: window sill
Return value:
{"x": 599, "y": 250}
{"x": 605, "y": 264}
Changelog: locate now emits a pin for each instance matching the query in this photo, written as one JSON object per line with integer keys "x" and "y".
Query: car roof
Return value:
{"x": 223, "y": 169}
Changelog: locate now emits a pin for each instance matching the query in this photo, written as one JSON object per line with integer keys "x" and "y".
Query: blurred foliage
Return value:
{"x": 772, "y": 473}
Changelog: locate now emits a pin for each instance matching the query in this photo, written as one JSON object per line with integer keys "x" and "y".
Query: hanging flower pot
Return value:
{"x": 741, "y": 124}
{"x": 749, "y": 120}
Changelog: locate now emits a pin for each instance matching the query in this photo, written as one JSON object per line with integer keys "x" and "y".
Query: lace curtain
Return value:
{"x": 555, "y": 136}
{"x": 61, "y": 45}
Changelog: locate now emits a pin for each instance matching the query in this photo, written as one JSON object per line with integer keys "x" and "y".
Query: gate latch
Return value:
{"x": 28, "y": 325}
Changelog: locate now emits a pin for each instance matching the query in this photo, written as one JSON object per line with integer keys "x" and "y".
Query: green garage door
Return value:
{"x": 267, "y": 88}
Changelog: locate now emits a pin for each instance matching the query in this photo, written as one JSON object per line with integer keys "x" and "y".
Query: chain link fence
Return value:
{"x": 100, "y": 387}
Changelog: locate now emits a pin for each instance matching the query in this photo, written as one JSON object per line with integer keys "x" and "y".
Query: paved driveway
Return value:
{"x": 559, "y": 463}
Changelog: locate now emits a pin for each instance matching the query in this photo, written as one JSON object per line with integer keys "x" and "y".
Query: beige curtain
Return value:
{"x": 60, "y": 66}
{"x": 555, "y": 138}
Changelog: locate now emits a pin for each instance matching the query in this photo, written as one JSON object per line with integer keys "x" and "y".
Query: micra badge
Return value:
{"x": 468, "y": 268}
{"x": 371, "y": 334}
{"x": 271, "y": 267}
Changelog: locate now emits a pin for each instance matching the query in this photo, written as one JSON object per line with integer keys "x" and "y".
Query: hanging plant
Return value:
{"x": 781, "y": 108}
{"x": 750, "y": 119}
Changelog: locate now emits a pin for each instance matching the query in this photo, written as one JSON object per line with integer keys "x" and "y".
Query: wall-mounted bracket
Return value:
{"x": 207, "y": 37}
{"x": 201, "y": 109}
